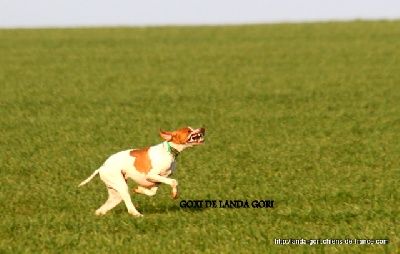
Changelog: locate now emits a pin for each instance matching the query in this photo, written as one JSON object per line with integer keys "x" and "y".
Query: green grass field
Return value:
{"x": 307, "y": 115}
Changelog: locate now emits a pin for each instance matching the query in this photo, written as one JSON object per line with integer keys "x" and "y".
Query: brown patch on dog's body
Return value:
{"x": 142, "y": 160}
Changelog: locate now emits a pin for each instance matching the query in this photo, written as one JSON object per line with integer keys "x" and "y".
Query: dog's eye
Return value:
{"x": 189, "y": 131}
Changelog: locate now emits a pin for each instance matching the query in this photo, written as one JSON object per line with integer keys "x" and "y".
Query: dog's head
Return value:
{"x": 185, "y": 137}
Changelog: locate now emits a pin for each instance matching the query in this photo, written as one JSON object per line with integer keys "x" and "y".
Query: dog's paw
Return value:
{"x": 99, "y": 212}
{"x": 174, "y": 195}
{"x": 135, "y": 213}
{"x": 136, "y": 190}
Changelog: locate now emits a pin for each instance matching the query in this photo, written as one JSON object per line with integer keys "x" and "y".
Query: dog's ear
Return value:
{"x": 167, "y": 136}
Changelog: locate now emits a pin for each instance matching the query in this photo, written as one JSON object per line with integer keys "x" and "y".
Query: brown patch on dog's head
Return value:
{"x": 183, "y": 136}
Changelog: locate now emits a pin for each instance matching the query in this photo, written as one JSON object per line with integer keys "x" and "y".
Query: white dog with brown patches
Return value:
{"x": 148, "y": 167}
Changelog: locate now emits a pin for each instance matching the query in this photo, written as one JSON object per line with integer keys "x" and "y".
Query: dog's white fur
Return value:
{"x": 161, "y": 163}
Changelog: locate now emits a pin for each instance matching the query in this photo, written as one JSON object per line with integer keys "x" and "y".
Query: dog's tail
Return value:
{"x": 89, "y": 178}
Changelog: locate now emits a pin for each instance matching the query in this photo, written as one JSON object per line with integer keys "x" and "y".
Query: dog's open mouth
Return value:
{"x": 197, "y": 136}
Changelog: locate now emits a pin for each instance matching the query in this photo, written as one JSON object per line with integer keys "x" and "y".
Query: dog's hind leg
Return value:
{"x": 124, "y": 192}
{"x": 115, "y": 179}
{"x": 119, "y": 184}
{"x": 113, "y": 200}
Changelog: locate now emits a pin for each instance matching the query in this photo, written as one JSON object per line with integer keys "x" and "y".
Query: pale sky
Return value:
{"x": 78, "y": 13}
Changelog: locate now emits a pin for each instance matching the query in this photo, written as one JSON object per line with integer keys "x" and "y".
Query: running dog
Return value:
{"x": 148, "y": 167}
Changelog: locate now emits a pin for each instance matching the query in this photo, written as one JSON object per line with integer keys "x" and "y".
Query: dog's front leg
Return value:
{"x": 160, "y": 179}
{"x": 147, "y": 191}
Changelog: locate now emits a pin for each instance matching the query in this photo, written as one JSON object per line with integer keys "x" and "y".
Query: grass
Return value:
{"x": 306, "y": 115}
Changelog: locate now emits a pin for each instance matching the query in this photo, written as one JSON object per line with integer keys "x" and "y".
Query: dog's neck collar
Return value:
{"x": 172, "y": 150}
